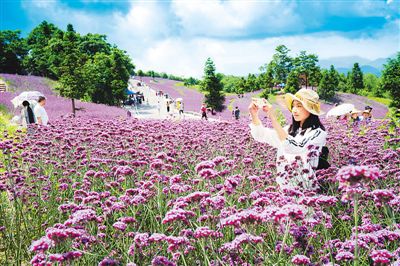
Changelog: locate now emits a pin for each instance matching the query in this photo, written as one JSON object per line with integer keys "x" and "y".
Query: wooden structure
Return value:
{"x": 3, "y": 86}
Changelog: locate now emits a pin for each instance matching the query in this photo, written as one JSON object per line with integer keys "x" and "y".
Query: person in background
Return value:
{"x": 203, "y": 111}
{"x": 27, "y": 115}
{"x": 40, "y": 113}
{"x": 300, "y": 145}
{"x": 236, "y": 113}
{"x": 367, "y": 116}
{"x": 181, "y": 108}
{"x": 355, "y": 116}
{"x": 168, "y": 106}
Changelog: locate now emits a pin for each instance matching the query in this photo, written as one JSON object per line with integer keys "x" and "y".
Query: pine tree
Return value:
{"x": 328, "y": 84}
{"x": 293, "y": 82}
{"x": 266, "y": 81}
{"x": 356, "y": 82}
{"x": 306, "y": 66}
{"x": 391, "y": 80}
{"x": 213, "y": 86}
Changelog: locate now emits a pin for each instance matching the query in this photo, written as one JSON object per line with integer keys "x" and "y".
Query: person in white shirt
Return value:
{"x": 40, "y": 112}
{"x": 298, "y": 145}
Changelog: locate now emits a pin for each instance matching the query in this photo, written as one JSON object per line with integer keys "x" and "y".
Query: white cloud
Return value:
{"x": 234, "y": 18}
{"x": 148, "y": 31}
{"x": 179, "y": 56}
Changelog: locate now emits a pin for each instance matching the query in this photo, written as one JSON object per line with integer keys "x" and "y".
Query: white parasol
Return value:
{"x": 340, "y": 110}
{"x": 178, "y": 100}
{"x": 30, "y": 96}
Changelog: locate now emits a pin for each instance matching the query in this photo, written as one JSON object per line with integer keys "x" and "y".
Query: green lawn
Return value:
{"x": 5, "y": 121}
{"x": 197, "y": 88}
{"x": 384, "y": 101}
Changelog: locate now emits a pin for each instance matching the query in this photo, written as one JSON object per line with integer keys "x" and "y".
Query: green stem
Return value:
{"x": 356, "y": 228}
{"x": 284, "y": 240}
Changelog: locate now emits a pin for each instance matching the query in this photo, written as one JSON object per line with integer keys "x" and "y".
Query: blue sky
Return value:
{"x": 240, "y": 36}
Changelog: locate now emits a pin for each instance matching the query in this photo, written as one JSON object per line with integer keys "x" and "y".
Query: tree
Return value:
{"x": 37, "y": 62}
{"x": 328, "y": 84}
{"x": 342, "y": 86}
{"x": 281, "y": 64}
{"x": 13, "y": 49}
{"x": 91, "y": 44}
{"x": 240, "y": 86}
{"x": 251, "y": 83}
{"x": 190, "y": 81}
{"x": 212, "y": 85}
{"x": 109, "y": 75}
{"x": 306, "y": 66}
{"x": 355, "y": 79}
{"x": 391, "y": 80}
{"x": 121, "y": 70}
{"x": 140, "y": 73}
{"x": 266, "y": 80}
{"x": 71, "y": 70}
{"x": 151, "y": 74}
{"x": 293, "y": 82}
{"x": 371, "y": 83}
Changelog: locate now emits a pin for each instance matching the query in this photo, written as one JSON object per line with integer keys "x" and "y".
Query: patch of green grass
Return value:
{"x": 9, "y": 84}
{"x": 385, "y": 101}
{"x": 193, "y": 87}
{"x": 5, "y": 124}
{"x": 230, "y": 105}
{"x": 52, "y": 83}
{"x": 271, "y": 97}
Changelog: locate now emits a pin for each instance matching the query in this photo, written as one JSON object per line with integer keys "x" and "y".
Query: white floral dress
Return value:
{"x": 297, "y": 157}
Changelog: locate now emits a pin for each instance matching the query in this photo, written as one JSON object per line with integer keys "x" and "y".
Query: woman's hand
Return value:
{"x": 253, "y": 109}
{"x": 268, "y": 108}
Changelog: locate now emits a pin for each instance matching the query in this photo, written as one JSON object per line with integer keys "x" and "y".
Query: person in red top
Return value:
{"x": 203, "y": 111}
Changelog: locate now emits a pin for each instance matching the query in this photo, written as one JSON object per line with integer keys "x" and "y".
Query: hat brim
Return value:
{"x": 356, "y": 111}
{"x": 289, "y": 98}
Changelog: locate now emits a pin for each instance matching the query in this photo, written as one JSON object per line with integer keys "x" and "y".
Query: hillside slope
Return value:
{"x": 56, "y": 105}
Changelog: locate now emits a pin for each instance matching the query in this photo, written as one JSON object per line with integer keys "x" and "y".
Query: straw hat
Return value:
{"x": 308, "y": 98}
{"x": 355, "y": 111}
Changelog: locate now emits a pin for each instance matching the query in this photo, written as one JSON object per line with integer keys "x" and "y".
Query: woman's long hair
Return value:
{"x": 31, "y": 118}
{"x": 312, "y": 122}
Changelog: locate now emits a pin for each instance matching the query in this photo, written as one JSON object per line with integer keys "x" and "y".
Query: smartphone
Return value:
{"x": 260, "y": 102}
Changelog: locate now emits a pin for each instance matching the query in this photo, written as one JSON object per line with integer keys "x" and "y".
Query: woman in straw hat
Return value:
{"x": 355, "y": 116}
{"x": 299, "y": 145}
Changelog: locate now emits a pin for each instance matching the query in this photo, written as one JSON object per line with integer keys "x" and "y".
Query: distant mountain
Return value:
{"x": 364, "y": 69}
{"x": 345, "y": 64}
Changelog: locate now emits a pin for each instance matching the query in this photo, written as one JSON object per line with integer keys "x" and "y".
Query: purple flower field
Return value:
{"x": 135, "y": 192}
{"x": 56, "y": 106}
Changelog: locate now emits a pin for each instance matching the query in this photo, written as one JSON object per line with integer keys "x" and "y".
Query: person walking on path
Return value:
{"x": 299, "y": 145}
{"x": 236, "y": 113}
{"x": 181, "y": 108}
{"x": 168, "y": 107}
{"x": 40, "y": 113}
{"x": 159, "y": 106}
{"x": 203, "y": 111}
